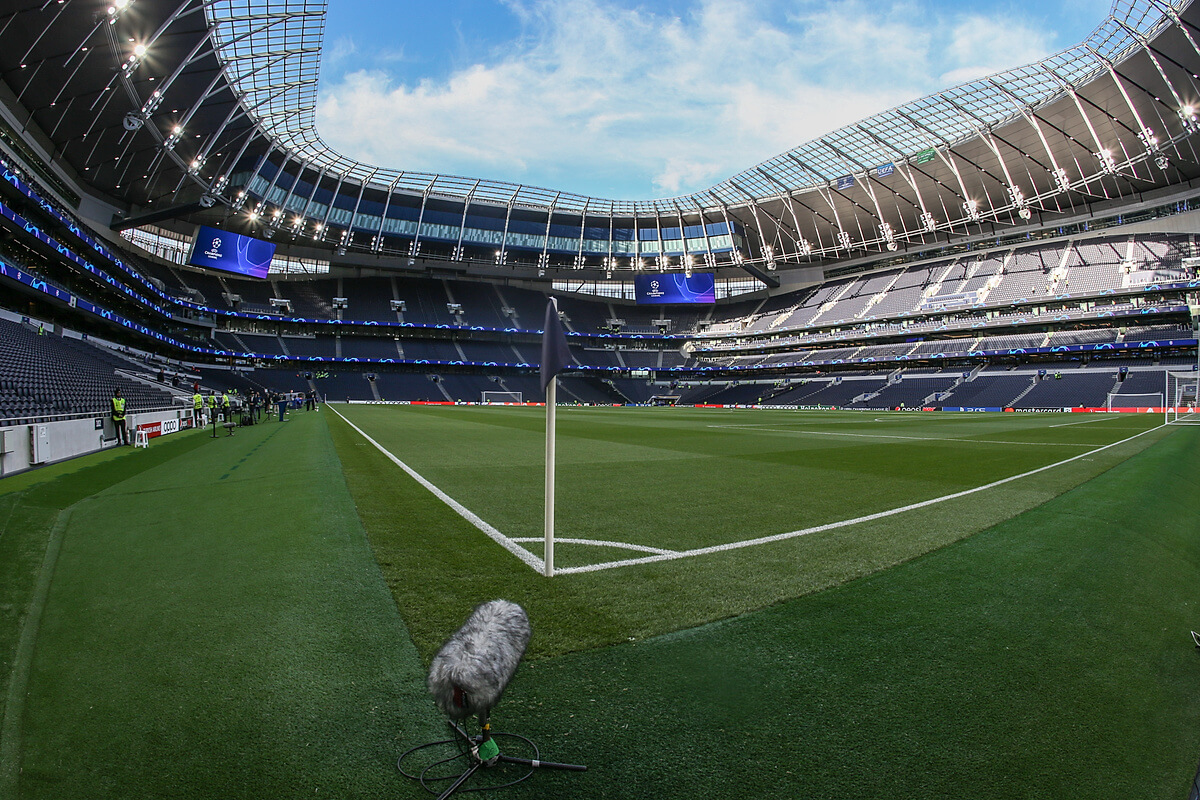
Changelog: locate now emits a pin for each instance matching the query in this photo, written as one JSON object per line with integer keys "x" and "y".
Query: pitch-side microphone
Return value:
{"x": 470, "y": 672}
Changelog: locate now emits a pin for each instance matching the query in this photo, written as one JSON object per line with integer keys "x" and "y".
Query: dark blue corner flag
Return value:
{"x": 555, "y": 355}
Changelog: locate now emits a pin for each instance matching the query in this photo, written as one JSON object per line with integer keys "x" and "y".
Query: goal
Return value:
{"x": 1181, "y": 398}
{"x": 1149, "y": 401}
{"x": 501, "y": 397}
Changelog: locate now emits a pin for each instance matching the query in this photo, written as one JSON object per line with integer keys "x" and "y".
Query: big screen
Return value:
{"x": 675, "y": 287}
{"x": 231, "y": 252}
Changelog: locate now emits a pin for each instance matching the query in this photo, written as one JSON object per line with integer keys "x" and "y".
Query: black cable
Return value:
{"x": 425, "y": 780}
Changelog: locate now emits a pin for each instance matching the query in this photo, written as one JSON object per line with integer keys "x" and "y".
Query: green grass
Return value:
{"x": 215, "y": 626}
{"x": 218, "y": 618}
{"x": 665, "y": 478}
{"x": 1047, "y": 656}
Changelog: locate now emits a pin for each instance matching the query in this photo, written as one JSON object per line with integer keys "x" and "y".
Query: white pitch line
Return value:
{"x": 908, "y": 438}
{"x": 601, "y": 543}
{"x": 1083, "y": 422}
{"x": 532, "y": 561}
{"x": 779, "y": 537}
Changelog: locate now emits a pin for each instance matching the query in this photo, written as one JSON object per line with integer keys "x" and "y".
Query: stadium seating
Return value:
{"x": 43, "y": 376}
{"x": 844, "y": 320}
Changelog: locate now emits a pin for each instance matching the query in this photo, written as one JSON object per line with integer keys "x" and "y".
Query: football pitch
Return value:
{"x": 748, "y": 602}
{"x": 638, "y": 486}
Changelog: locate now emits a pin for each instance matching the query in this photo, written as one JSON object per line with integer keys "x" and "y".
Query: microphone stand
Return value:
{"x": 485, "y": 752}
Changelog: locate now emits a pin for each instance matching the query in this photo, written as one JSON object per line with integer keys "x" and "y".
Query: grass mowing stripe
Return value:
{"x": 18, "y": 681}
{"x": 1045, "y": 657}
{"x": 211, "y": 639}
{"x": 529, "y": 559}
{"x": 756, "y": 429}
{"x": 252, "y": 451}
{"x": 779, "y": 537}
{"x": 438, "y": 566}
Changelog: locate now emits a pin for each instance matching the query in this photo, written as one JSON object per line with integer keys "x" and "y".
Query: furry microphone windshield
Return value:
{"x": 469, "y": 673}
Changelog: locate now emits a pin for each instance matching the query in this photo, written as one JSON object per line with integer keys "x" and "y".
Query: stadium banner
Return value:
{"x": 1132, "y": 410}
{"x": 155, "y": 429}
{"x": 231, "y": 252}
{"x": 845, "y": 182}
{"x": 972, "y": 408}
{"x": 675, "y": 288}
{"x": 884, "y": 170}
{"x": 924, "y": 156}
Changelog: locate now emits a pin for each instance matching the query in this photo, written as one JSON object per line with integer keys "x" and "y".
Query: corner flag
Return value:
{"x": 555, "y": 355}
{"x": 555, "y": 358}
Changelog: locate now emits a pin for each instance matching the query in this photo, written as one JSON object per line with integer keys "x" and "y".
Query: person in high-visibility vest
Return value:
{"x": 225, "y": 406}
{"x": 118, "y": 417}
{"x": 197, "y": 409}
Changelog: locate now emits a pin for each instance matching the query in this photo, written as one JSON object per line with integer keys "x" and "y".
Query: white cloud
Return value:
{"x": 338, "y": 51}
{"x": 625, "y": 102}
{"x": 981, "y": 46}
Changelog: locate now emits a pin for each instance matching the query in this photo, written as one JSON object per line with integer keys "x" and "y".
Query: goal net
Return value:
{"x": 1181, "y": 398}
{"x": 1148, "y": 401}
{"x": 501, "y": 397}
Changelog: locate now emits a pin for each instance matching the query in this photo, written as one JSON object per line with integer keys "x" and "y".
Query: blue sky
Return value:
{"x": 628, "y": 100}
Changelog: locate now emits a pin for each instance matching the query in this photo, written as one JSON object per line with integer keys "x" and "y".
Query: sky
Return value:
{"x": 639, "y": 100}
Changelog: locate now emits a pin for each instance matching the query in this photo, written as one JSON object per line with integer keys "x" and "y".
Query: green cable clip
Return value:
{"x": 488, "y": 750}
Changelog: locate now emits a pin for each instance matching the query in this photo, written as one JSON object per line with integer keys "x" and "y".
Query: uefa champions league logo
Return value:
{"x": 654, "y": 285}
{"x": 214, "y": 251}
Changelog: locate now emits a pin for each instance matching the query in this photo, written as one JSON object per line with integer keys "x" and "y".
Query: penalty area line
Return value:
{"x": 779, "y": 537}
{"x": 528, "y": 558}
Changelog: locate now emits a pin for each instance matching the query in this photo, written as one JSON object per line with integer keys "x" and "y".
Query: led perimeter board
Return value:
{"x": 675, "y": 287}
{"x": 231, "y": 252}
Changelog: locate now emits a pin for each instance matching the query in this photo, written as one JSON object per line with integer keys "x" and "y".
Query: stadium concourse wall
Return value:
{"x": 24, "y": 447}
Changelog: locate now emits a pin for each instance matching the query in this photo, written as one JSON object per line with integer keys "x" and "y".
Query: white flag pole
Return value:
{"x": 550, "y": 409}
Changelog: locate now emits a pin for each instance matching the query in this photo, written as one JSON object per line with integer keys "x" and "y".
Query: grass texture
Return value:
{"x": 667, "y": 478}
{"x": 251, "y": 616}
{"x": 214, "y": 626}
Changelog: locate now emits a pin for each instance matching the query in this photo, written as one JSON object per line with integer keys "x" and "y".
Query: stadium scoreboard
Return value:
{"x": 213, "y": 248}
{"x": 675, "y": 288}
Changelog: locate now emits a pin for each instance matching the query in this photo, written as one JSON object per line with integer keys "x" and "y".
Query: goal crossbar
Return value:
{"x": 1143, "y": 400}
{"x": 488, "y": 397}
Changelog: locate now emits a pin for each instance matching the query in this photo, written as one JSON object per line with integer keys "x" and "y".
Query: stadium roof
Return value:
{"x": 159, "y": 104}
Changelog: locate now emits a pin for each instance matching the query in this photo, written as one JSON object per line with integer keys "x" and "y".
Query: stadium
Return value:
{"x": 876, "y": 462}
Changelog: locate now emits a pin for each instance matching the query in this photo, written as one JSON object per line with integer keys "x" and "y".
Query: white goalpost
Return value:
{"x": 1181, "y": 390}
{"x": 489, "y": 398}
{"x": 1145, "y": 400}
